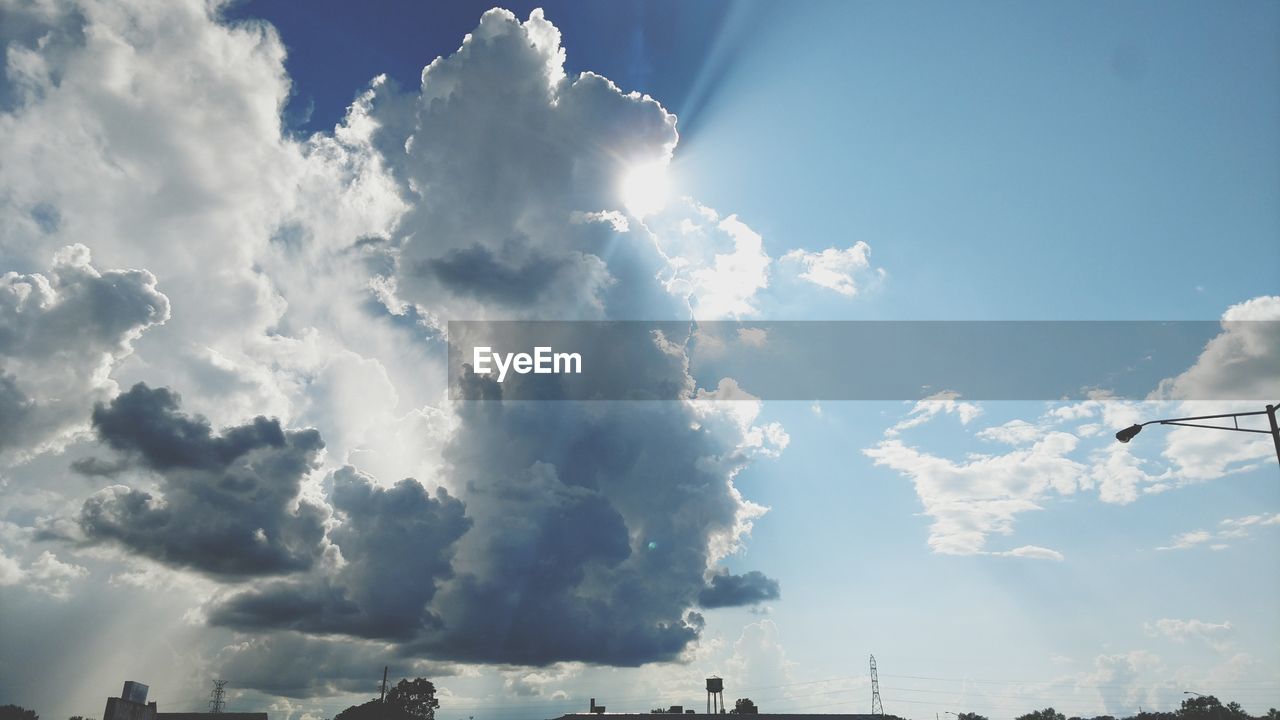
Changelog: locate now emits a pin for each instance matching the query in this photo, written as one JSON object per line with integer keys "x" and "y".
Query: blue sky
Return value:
{"x": 281, "y": 239}
{"x": 1114, "y": 147}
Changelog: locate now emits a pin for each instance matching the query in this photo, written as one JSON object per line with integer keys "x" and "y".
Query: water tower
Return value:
{"x": 715, "y": 692}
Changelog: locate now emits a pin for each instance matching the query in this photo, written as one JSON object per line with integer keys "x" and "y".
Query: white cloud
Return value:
{"x": 1241, "y": 363}
{"x": 726, "y": 287}
{"x": 1032, "y": 551}
{"x": 979, "y": 497}
{"x": 1216, "y": 635}
{"x": 729, "y": 400}
{"x": 753, "y": 337}
{"x": 759, "y": 658}
{"x": 46, "y": 574}
{"x": 1188, "y": 539}
{"x": 716, "y": 266}
{"x": 841, "y": 270}
{"x": 1229, "y": 529}
{"x": 1014, "y": 432}
{"x": 945, "y": 402}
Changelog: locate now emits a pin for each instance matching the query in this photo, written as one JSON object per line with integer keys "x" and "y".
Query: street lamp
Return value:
{"x": 1190, "y": 692}
{"x": 1130, "y": 432}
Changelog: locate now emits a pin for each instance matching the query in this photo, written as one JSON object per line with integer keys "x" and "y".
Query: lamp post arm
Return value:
{"x": 1128, "y": 433}
{"x": 1169, "y": 421}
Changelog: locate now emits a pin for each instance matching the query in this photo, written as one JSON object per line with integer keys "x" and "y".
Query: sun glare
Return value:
{"x": 645, "y": 189}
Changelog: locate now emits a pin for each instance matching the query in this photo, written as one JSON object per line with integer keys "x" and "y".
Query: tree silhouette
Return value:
{"x": 1045, "y": 714}
{"x": 744, "y": 706}
{"x": 416, "y": 697}
{"x": 13, "y": 712}
{"x": 408, "y": 700}
{"x": 1202, "y": 707}
{"x": 1208, "y": 707}
{"x": 374, "y": 710}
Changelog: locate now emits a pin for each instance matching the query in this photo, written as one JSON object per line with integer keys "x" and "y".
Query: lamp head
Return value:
{"x": 1128, "y": 433}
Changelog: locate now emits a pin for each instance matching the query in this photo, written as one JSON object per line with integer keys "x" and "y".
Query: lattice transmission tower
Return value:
{"x": 876, "y": 707}
{"x": 217, "y": 696}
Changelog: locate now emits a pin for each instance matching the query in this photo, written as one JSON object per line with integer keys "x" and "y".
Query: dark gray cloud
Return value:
{"x": 728, "y": 590}
{"x": 587, "y": 533}
{"x": 398, "y": 545}
{"x": 595, "y": 524}
{"x": 227, "y": 500}
{"x": 146, "y": 424}
{"x": 503, "y": 278}
{"x": 297, "y": 666}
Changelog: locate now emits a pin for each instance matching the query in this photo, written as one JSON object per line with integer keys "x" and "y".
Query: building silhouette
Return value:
{"x": 132, "y": 705}
{"x": 716, "y": 707}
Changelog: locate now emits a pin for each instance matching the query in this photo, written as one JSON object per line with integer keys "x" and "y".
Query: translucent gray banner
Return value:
{"x": 837, "y": 360}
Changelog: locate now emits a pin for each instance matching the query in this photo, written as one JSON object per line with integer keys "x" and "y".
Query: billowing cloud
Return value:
{"x": 309, "y": 280}
{"x": 504, "y": 157}
{"x": 593, "y": 527}
{"x": 61, "y": 334}
{"x": 228, "y": 503}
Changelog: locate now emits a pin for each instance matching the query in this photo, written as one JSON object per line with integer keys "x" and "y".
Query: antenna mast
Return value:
{"x": 217, "y": 698}
{"x": 876, "y": 707}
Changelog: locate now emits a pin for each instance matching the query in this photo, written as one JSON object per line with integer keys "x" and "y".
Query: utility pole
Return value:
{"x": 384, "y": 684}
{"x": 217, "y": 697}
{"x": 1275, "y": 429}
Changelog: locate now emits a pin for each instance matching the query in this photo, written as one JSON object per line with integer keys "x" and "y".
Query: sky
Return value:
{"x": 232, "y": 237}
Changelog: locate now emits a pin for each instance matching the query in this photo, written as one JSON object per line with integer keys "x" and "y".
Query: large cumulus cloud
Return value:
{"x": 310, "y": 280}
{"x": 595, "y": 527}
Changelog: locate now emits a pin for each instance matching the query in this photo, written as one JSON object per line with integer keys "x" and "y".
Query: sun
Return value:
{"x": 645, "y": 189}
